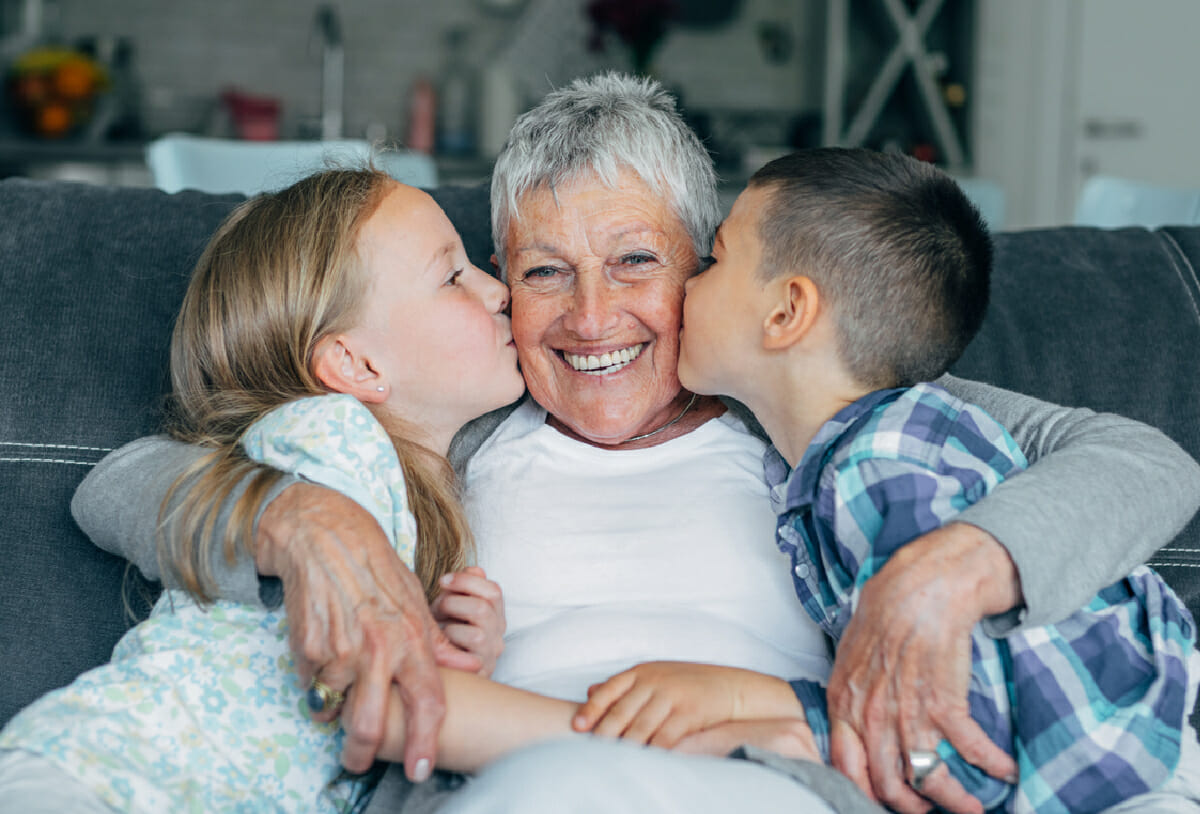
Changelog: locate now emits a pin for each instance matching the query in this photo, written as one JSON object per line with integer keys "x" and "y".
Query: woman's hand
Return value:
{"x": 470, "y": 611}
{"x": 902, "y": 668}
{"x": 790, "y": 737}
{"x": 358, "y": 618}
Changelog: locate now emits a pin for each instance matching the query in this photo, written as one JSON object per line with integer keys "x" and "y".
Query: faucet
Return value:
{"x": 332, "y": 71}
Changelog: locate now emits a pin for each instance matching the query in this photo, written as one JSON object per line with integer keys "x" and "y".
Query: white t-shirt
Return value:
{"x": 608, "y": 558}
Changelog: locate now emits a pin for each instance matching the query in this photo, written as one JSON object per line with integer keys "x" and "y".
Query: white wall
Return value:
{"x": 188, "y": 50}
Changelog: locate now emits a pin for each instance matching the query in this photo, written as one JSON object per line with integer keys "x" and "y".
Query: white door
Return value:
{"x": 1138, "y": 114}
{"x": 1065, "y": 89}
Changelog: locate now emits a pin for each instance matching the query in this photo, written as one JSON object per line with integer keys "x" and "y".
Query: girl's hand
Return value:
{"x": 660, "y": 703}
{"x": 470, "y": 611}
{"x": 789, "y": 737}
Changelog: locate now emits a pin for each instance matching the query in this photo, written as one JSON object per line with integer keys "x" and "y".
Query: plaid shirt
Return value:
{"x": 1091, "y": 708}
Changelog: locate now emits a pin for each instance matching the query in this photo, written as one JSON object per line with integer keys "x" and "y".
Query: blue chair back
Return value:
{"x": 179, "y": 161}
{"x": 1116, "y": 202}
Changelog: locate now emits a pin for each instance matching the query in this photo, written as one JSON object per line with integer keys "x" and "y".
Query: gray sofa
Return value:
{"x": 91, "y": 277}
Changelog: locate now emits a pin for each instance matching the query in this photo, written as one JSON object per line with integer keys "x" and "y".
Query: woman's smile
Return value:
{"x": 602, "y": 363}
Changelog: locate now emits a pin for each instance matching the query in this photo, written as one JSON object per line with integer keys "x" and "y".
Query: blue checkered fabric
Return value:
{"x": 1092, "y": 708}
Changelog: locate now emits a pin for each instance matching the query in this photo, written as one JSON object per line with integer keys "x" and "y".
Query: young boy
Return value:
{"x": 842, "y": 280}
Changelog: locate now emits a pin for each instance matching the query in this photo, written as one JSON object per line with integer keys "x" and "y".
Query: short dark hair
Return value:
{"x": 894, "y": 245}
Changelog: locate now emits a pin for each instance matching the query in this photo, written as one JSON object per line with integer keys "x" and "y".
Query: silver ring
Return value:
{"x": 922, "y": 763}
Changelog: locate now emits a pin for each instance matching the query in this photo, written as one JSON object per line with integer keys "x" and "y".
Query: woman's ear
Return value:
{"x": 340, "y": 367}
{"x": 794, "y": 313}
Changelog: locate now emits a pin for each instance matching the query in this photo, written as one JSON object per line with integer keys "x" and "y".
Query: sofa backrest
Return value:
{"x": 91, "y": 277}
{"x": 1106, "y": 319}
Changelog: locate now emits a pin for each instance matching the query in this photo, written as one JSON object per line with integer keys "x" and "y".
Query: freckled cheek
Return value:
{"x": 664, "y": 317}
{"x": 531, "y": 321}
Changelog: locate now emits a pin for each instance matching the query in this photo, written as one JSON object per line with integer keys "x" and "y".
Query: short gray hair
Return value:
{"x": 607, "y": 123}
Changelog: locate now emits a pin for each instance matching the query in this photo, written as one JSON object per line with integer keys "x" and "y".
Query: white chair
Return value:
{"x": 181, "y": 161}
{"x": 1115, "y": 202}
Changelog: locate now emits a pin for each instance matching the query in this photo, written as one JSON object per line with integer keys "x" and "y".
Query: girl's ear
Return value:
{"x": 794, "y": 313}
{"x": 340, "y": 367}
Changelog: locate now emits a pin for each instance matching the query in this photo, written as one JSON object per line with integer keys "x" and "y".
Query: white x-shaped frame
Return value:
{"x": 909, "y": 50}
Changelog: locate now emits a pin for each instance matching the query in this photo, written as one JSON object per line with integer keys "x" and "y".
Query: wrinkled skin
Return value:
{"x": 900, "y": 678}
{"x": 360, "y": 616}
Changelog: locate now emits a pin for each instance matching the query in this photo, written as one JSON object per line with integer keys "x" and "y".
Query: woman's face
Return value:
{"x": 434, "y": 323}
{"x": 597, "y": 278}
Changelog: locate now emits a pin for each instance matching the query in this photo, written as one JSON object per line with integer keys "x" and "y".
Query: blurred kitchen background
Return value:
{"x": 1024, "y": 99}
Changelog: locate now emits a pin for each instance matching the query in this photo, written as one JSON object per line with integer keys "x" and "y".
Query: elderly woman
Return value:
{"x": 628, "y": 520}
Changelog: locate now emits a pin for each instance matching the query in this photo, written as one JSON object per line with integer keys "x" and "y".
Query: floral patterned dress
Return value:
{"x": 200, "y": 709}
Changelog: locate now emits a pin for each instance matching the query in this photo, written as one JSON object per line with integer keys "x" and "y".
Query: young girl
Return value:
{"x": 335, "y": 329}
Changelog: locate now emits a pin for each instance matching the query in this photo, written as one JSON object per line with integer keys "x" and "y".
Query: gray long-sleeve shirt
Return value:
{"x": 1102, "y": 494}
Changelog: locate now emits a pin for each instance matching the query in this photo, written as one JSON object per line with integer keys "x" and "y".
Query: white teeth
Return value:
{"x": 605, "y": 363}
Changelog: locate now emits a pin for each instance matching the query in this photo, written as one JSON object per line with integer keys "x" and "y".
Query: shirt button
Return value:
{"x": 801, "y": 570}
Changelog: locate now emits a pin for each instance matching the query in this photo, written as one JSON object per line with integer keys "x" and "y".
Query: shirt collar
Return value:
{"x": 795, "y": 489}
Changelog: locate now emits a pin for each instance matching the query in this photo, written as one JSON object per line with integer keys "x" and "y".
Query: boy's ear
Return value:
{"x": 495, "y": 267}
{"x": 340, "y": 366}
{"x": 793, "y": 315}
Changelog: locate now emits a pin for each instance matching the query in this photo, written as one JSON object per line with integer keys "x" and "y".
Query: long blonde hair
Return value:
{"x": 281, "y": 273}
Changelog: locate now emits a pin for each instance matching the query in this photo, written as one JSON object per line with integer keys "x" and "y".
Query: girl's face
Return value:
{"x": 433, "y": 324}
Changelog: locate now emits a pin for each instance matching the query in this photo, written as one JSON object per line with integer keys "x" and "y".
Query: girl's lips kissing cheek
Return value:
{"x": 602, "y": 364}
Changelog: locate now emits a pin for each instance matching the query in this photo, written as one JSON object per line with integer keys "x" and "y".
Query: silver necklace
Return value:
{"x": 674, "y": 420}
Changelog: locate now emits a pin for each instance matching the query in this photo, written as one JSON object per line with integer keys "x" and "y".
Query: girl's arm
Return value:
{"x": 484, "y": 720}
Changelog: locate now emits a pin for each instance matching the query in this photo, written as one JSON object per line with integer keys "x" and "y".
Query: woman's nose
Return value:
{"x": 594, "y": 308}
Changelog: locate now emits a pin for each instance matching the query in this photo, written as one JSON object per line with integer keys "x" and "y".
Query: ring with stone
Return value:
{"x": 922, "y": 763}
{"x": 321, "y": 696}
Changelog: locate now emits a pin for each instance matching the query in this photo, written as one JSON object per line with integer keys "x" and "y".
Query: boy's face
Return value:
{"x": 726, "y": 306}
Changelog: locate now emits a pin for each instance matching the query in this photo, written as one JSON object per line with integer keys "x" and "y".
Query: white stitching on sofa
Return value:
{"x": 1179, "y": 261}
{"x": 45, "y": 461}
{"x": 54, "y": 446}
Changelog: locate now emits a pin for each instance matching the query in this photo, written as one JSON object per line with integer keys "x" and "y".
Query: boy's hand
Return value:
{"x": 661, "y": 702}
{"x": 790, "y": 737}
{"x": 470, "y": 611}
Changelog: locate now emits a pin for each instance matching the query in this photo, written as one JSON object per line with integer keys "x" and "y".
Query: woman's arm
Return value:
{"x": 1102, "y": 494}
{"x": 118, "y": 505}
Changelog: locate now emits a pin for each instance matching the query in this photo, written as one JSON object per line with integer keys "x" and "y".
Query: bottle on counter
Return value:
{"x": 422, "y": 112}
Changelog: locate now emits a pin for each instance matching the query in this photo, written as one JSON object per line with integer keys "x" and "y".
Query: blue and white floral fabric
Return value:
{"x": 200, "y": 709}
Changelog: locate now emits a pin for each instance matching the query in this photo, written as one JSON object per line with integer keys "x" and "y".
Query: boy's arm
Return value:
{"x": 1102, "y": 494}
{"x": 662, "y": 702}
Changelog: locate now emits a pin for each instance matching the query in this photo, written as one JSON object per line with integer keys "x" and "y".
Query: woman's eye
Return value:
{"x": 637, "y": 259}
{"x": 539, "y": 272}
